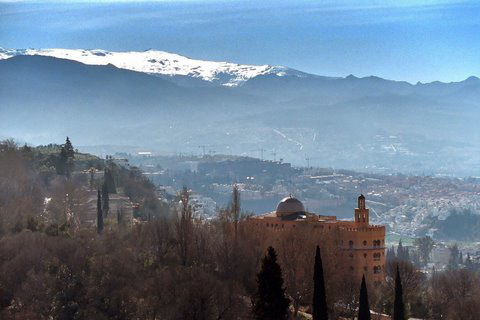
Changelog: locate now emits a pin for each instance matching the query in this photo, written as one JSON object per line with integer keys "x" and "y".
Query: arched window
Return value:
{"x": 350, "y": 244}
{"x": 364, "y": 242}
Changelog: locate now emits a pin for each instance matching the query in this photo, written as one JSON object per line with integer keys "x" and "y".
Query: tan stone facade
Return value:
{"x": 360, "y": 244}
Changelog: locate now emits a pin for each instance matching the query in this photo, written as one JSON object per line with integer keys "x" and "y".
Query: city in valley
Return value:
{"x": 232, "y": 159}
{"x": 408, "y": 206}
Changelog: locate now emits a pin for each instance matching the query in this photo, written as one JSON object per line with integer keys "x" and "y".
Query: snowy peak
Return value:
{"x": 162, "y": 63}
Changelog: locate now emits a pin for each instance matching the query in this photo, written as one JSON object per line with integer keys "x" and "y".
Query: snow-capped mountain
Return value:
{"x": 162, "y": 63}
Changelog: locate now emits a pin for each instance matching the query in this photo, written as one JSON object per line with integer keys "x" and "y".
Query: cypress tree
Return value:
{"x": 390, "y": 254}
{"x": 398, "y": 307}
{"x": 406, "y": 254}
{"x": 363, "y": 307}
{"x": 92, "y": 178}
{"x": 109, "y": 181}
{"x": 400, "y": 252}
{"x": 69, "y": 164}
{"x": 99, "y": 213}
{"x": 105, "y": 200}
{"x": 270, "y": 302}
{"x": 236, "y": 209}
{"x": 320, "y": 311}
{"x": 61, "y": 166}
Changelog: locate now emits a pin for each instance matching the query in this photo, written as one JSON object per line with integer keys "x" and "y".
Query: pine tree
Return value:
{"x": 69, "y": 148}
{"x": 364, "y": 307}
{"x": 425, "y": 246}
{"x": 99, "y": 213}
{"x": 105, "y": 200}
{"x": 270, "y": 302}
{"x": 398, "y": 307}
{"x": 320, "y": 311}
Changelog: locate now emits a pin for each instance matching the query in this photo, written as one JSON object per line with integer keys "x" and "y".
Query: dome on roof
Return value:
{"x": 288, "y": 206}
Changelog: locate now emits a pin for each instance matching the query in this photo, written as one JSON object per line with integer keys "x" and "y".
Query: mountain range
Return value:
{"x": 162, "y": 63}
{"x": 164, "y": 102}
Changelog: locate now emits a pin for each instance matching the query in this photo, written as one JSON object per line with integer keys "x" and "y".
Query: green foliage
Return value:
{"x": 454, "y": 259}
{"x": 363, "y": 305}
{"x": 398, "y": 307}
{"x": 99, "y": 213}
{"x": 270, "y": 302}
{"x": 62, "y": 160}
{"x": 109, "y": 181}
{"x": 105, "y": 200}
{"x": 33, "y": 224}
{"x": 425, "y": 247}
{"x": 65, "y": 164}
{"x": 319, "y": 306}
{"x": 463, "y": 225}
{"x": 69, "y": 148}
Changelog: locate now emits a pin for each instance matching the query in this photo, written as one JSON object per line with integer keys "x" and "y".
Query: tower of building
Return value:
{"x": 361, "y": 212}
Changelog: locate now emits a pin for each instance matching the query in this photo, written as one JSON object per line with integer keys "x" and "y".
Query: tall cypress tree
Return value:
{"x": 320, "y": 311}
{"x": 61, "y": 165}
{"x": 270, "y": 302}
{"x": 69, "y": 163}
{"x": 363, "y": 307}
{"x": 99, "y": 213}
{"x": 400, "y": 251}
{"x": 398, "y": 307}
{"x": 105, "y": 200}
{"x": 109, "y": 181}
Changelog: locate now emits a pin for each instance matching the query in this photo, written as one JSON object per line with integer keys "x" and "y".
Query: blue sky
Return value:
{"x": 402, "y": 40}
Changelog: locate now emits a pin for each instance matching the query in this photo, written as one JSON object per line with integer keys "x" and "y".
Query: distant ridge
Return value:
{"x": 162, "y": 63}
{"x": 168, "y": 64}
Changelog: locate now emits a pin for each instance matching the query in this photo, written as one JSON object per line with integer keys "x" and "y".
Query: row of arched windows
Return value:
{"x": 376, "y": 256}
{"x": 376, "y": 243}
{"x": 376, "y": 269}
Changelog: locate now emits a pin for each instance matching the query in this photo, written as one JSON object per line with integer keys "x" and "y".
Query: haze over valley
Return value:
{"x": 169, "y": 104}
